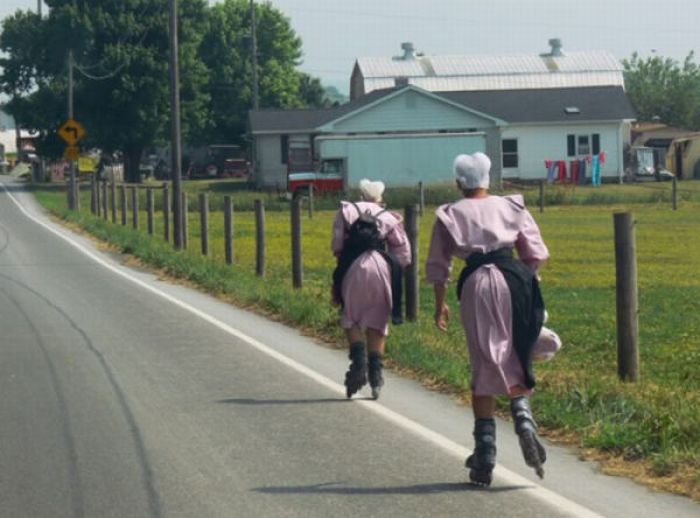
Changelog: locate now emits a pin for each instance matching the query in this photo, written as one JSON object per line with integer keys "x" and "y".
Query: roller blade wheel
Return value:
{"x": 354, "y": 381}
{"x": 481, "y": 477}
{"x": 533, "y": 452}
{"x": 375, "y": 375}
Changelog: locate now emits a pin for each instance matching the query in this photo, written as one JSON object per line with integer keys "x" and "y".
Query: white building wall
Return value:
{"x": 537, "y": 143}
{"x": 271, "y": 171}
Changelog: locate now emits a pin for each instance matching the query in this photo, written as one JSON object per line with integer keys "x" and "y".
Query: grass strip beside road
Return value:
{"x": 649, "y": 430}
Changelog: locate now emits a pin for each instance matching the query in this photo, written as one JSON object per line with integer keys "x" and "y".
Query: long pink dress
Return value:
{"x": 483, "y": 225}
{"x": 366, "y": 286}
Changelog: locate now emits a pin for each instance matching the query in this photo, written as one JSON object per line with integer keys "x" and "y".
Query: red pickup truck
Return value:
{"x": 328, "y": 177}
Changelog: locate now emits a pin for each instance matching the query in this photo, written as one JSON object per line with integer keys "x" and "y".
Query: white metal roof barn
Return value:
{"x": 553, "y": 69}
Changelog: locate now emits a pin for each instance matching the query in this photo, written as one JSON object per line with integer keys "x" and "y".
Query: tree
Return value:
{"x": 121, "y": 91}
{"x": 334, "y": 96}
{"x": 226, "y": 51}
{"x": 312, "y": 93}
{"x": 665, "y": 89}
{"x": 124, "y": 68}
{"x": 22, "y": 67}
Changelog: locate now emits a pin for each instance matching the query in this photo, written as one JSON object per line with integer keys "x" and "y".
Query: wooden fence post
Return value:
{"x": 166, "y": 213}
{"x": 135, "y": 206}
{"x": 76, "y": 195}
{"x": 185, "y": 221}
{"x": 411, "y": 274}
{"x": 98, "y": 197}
{"x": 674, "y": 193}
{"x": 541, "y": 196}
{"x": 421, "y": 198}
{"x": 627, "y": 306}
{"x": 104, "y": 200}
{"x": 311, "y": 201}
{"x": 113, "y": 201}
{"x": 228, "y": 229}
{"x": 204, "y": 221}
{"x": 259, "y": 238}
{"x": 122, "y": 196}
{"x": 93, "y": 194}
{"x": 297, "y": 272}
{"x": 149, "y": 210}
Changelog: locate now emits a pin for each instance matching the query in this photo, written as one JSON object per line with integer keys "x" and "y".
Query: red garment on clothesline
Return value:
{"x": 574, "y": 168}
{"x": 562, "y": 171}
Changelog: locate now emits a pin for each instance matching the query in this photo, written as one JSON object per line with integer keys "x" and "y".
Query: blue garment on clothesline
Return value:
{"x": 595, "y": 170}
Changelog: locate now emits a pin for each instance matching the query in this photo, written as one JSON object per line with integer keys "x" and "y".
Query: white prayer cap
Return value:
{"x": 472, "y": 171}
{"x": 371, "y": 191}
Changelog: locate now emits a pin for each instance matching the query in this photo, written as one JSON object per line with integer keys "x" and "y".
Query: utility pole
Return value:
{"x": 175, "y": 145}
{"x": 38, "y": 171}
{"x": 72, "y": 196}
{"x": 256, "y": 102}
{"x": 254, "y": 51}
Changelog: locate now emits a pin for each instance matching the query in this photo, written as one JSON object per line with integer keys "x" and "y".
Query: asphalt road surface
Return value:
{"x": 122, "y": 395}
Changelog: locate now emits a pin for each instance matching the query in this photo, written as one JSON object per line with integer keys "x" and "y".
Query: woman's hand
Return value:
{"x": 442, "y": 317}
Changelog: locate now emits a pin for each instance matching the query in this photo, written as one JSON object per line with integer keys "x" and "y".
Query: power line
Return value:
{"x": 100, "y": 78}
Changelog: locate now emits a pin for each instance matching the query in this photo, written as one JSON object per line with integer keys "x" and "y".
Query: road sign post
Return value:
{"x": 71, "y": 132}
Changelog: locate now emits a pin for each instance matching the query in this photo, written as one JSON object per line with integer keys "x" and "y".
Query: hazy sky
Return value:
{"x": 335, "y": 32}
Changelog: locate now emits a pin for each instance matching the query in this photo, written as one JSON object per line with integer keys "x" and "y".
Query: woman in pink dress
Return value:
{"x": 372, "y": 247}
{"x": 500, "y": 304}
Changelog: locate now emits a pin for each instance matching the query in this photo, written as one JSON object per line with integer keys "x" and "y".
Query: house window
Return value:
{"x": 509, "y": 150}
{"x": 578, "y": 145}
{"x": 584, "y": 146}
{"x": 284, "y": 148}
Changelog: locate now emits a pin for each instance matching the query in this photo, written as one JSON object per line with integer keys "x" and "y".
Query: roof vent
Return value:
{"x": 400, "y": 81}
{"x": 409, "y": 51}
{"x": 555, "y": 43}
{"x": 572, "y": 110}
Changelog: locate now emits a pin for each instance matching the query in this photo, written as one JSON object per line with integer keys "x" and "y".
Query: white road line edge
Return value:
{"x": 543, "y": 494}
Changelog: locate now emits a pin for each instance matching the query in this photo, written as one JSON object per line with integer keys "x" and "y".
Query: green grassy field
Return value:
{"x": 653, "y": 424}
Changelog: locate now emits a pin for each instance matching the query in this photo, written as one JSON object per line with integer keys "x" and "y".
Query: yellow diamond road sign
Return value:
{"x": 71, "y": 153}
{"x": 71, "y": 131}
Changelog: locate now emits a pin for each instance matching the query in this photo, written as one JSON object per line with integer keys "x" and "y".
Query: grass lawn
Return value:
{"x": 653, "y": 426}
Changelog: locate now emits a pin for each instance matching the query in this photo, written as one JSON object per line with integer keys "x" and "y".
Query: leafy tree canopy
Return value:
{"x": 665, "y": 89}
{"x": 226, "y": 51}
{"x": 121, "y": 75}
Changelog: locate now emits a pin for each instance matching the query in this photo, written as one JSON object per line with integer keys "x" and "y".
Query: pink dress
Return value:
{"x": 483, "y": 225}
{"x": 366, "y": 286}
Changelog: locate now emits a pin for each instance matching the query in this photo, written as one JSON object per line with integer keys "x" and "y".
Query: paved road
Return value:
{"x": 126, "y": 396}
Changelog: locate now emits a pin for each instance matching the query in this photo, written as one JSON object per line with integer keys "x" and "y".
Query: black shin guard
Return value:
{"x": 356, "y": 376}
{"x": 526, "y": 428}
{"x": 483, "y": 460}
{"x": 376, "y": 379}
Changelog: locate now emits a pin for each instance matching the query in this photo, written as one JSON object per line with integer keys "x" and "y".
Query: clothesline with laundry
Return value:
{"x": 577, "y": 171}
